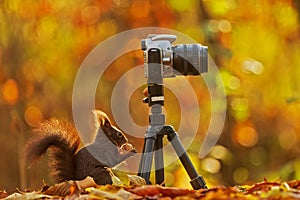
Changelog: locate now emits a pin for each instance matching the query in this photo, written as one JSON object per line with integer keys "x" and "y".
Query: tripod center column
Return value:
{"x": 157, "y": 118}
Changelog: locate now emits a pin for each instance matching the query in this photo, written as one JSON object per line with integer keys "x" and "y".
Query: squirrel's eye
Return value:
{"x": 119, "y": 134}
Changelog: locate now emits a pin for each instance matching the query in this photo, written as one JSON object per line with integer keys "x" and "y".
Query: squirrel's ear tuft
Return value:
{"x": 102, "y": 118}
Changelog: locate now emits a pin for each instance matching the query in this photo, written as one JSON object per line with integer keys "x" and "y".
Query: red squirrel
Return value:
{"x": 67, "y": 161}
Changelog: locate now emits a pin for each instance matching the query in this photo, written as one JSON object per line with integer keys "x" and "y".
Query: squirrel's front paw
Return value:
{"x": 127, "y": 148}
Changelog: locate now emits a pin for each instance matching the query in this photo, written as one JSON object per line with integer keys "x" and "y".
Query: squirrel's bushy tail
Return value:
{"x": 63, "y": 141}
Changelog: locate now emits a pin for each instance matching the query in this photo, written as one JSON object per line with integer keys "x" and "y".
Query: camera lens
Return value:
{"x": 190, "y": 59}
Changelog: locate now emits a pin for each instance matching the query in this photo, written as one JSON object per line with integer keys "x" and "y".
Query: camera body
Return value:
{"x": 181, "y": 59}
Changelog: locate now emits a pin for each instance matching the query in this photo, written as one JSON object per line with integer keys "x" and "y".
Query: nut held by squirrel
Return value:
{"x": 69, "y": 162}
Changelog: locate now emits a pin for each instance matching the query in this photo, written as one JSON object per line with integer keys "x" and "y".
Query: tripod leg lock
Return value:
{"x": 198, "y": 183}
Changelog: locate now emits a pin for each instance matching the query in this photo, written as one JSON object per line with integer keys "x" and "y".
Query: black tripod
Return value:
{"x": 154, "y": 142}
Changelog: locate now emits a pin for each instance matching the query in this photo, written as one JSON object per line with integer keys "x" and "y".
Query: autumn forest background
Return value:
{"x": 254, "y": 43}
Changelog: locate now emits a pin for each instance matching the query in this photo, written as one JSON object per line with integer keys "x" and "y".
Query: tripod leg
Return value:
{"x": 197, "y": 181}
{"x": 142, "y": 161}
{"x": 159, "y": 161}
{"x": 146, "y": 160}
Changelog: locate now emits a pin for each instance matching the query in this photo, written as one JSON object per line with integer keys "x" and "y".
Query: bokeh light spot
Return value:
{"x": 234, "y": 83}
{"x": 286, "y": 16}
{"x": 211, "y": 165}
{"x": 90, "y": 14}
{"x": 288, "y": 139}
{"x": 231, "y": 82}
{"x": 224, "y": 26}
{"x": 213, "y": 25}
{"x": 33, "y": 115}
{"x": 219, "y": 152}
{"x": 107, "y": 28}
{"x": 258, "y": 156}
{"x": 253, "y": 66}
{"x": 240, "y": 104}
{"x": 10, "y": 92}
{"x": 246, "y": 136}
{"x": 240, "y": 108}
{"x": 240, "y": 175}
{"x": 46, "y": 29}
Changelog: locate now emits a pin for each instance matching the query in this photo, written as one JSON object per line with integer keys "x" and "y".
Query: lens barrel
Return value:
{"x": 190, "y": 59}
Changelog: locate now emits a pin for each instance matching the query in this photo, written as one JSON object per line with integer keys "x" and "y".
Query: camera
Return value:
{"x": 181, "y": 59}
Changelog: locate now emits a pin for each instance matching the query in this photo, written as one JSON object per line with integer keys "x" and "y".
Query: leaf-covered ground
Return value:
{"x": 87, "y": 189}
